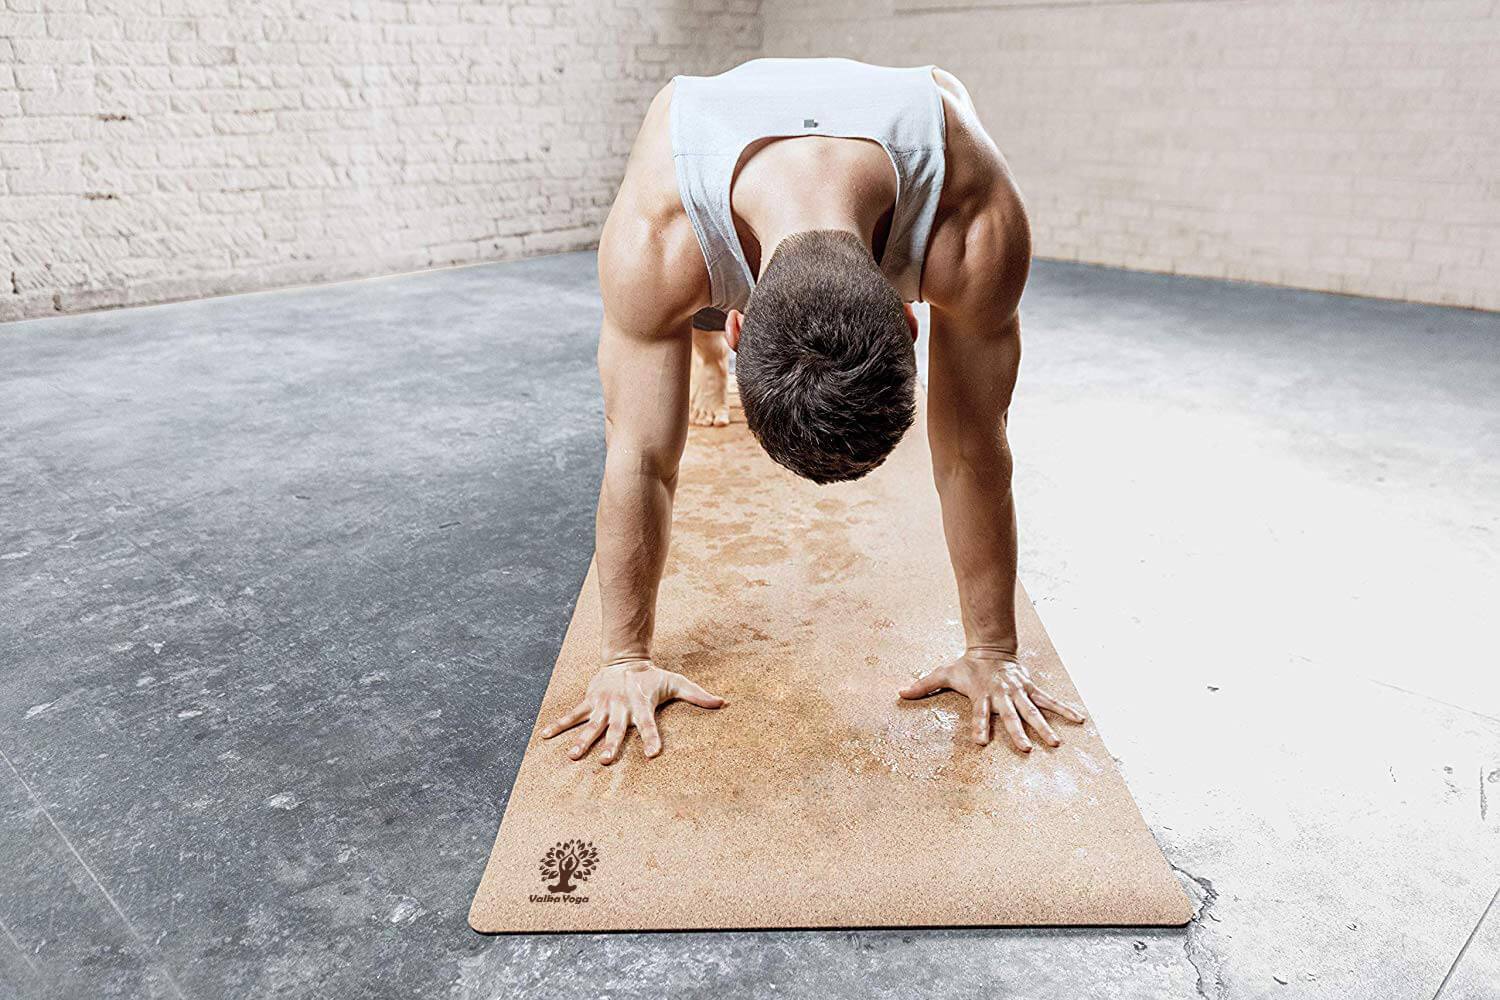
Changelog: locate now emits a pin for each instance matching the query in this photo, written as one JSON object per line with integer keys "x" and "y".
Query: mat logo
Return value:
{"x": 568, "y": 862}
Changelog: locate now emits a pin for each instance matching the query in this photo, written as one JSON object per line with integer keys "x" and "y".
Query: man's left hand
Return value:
{"x": 997, "y": 686}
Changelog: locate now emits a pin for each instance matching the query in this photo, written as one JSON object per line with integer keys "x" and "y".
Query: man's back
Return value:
{"x": 896, "y": 114}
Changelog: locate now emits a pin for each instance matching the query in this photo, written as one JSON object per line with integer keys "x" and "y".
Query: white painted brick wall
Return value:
{"x": 1343, "y": 145}
{"x": 162, "y": 149}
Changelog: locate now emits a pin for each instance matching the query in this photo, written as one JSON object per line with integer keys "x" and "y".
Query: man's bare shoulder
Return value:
{"x": 980, "y": 250}
{"x": 651, "y": 270}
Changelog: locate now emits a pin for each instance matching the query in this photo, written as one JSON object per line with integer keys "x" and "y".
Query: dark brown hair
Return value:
{"x": 825, "y": 365}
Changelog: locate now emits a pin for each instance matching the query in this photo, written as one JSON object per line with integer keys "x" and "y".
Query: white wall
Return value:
{"x": 161, "y": 149}
{"x": 1345, "y": 145}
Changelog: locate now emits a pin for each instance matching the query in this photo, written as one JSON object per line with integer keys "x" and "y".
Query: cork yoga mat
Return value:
{"x": 816, "y": 797}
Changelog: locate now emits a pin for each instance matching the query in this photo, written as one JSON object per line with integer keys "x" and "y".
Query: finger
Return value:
{"x": 619, "y": 725}
{"x": 982, "y": 720}
{"x": 586, "y": 737}
{"x": 1044, "y": 700}
{"x": 1034, "y": 719}
{"x": 1012, "y": 723}
{"x": 565, "y": 722}
{"x": 650, "y": 735}
{"x": 925, "y": 685}
{"x": 690, "y": 692}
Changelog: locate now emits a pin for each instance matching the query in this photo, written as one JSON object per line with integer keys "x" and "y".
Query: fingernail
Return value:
{"x": 575, "y": 751}
{"x": 1026, "y": 747}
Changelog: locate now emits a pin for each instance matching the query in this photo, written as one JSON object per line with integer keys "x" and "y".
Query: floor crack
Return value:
{"x": 1458, "y": 959}
{"x": 152, "y": 957}
{"x": 1204, "y": 962}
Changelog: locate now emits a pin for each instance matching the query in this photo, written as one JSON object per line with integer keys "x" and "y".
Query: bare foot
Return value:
{"x": 707, "y": 402}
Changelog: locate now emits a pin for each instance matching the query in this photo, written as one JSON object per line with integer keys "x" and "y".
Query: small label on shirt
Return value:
{"x": 809, "y": 123}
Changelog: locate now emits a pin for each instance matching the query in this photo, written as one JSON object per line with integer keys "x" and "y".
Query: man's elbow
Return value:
{"x": 983, "y": 463}
{"x": 636, "y": 461}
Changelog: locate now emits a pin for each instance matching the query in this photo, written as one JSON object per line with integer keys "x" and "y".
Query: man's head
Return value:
{"x": 824, "y": 358}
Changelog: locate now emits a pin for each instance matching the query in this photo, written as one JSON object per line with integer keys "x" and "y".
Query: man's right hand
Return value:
{"x": 624, "y": 695}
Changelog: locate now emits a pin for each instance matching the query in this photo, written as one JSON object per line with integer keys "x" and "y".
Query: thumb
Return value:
{"x": 690, "y": 692}
{"x": 926, "y": 685}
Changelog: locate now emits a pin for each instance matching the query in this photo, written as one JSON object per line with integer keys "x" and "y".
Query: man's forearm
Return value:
{"x": 632, "y": 530}
{"x": 979, "y": 520}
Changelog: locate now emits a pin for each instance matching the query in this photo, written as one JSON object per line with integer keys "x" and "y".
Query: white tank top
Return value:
{"x": 715, "y": 117}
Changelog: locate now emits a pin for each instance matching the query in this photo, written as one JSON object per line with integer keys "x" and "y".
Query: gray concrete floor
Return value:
{"x": 282, "y": 577}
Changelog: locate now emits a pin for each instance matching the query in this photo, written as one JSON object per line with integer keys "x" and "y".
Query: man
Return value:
{"x": 791, "y": 210}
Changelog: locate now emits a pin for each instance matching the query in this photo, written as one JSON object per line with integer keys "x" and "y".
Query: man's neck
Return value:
{"x": 769, "y": 233}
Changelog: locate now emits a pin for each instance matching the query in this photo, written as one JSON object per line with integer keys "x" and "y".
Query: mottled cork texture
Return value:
{"x": 816, "y": 798}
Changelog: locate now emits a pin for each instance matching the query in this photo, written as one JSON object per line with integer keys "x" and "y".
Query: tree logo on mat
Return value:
{"x": 567, "y": 863}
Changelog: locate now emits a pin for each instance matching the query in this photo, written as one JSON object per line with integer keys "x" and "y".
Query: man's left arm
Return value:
{"x": 974, "y": 356}
{"x": 972, "y": 374}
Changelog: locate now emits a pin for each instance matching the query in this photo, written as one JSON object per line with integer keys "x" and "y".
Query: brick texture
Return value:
{"x": 1342, "y": 145}
{"x": 162, "y": 149}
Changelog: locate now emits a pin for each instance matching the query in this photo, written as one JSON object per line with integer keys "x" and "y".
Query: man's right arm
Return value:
{"x": 645, "y": 349}
{"x": 645, "y": 426}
